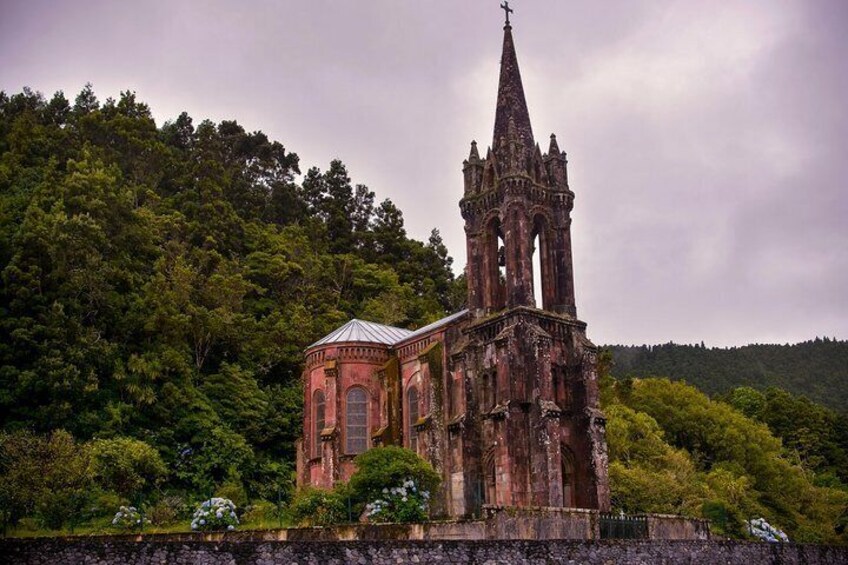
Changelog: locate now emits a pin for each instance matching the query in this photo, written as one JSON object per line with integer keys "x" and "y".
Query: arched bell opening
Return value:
{"x": 544, "y": 291}
{"x": 538, "y": 300}
{"x": 495, "y": 266}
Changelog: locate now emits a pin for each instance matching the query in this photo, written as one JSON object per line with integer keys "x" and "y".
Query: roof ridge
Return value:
{"x": 433, "y": 326}
{"x": 357, "y": 330}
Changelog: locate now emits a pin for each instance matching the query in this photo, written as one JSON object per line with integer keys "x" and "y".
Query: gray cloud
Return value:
{"x": 707, "y": 140}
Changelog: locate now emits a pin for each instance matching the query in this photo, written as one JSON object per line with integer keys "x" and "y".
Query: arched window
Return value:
{"x": 412, "y": 417}
{"x": 356, "y": 429}
{"x": 318, "y": 421}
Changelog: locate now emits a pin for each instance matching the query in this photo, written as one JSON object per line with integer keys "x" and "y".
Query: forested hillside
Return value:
{"x": 161, "y": 283}
{"x": 817, "y": 369}
{"x": 674, "y": 450}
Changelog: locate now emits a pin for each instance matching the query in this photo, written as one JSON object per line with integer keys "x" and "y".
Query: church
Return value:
{"x": 501, "y": 398}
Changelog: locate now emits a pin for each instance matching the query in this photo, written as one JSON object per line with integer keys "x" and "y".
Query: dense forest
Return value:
{"x": 675, "y": 450}
{"x": 159, "y": 284}
{"x": 817, "y": 369}
{"x": 162, "y": 282}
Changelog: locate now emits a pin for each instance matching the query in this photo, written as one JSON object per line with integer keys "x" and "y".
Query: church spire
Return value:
{"x": 512, "y": 117}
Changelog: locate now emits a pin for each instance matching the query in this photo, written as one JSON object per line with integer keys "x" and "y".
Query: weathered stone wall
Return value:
{"x": 64, "y": 551}
{"x": 499, "y": 524}
{"x": 668, "y": 527}
{"x": 541, "y": 523}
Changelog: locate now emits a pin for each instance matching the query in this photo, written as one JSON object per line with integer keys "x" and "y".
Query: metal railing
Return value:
{"x": 620, "y": 526}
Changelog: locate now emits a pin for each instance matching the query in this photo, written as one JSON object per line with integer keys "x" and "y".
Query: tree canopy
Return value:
{"x": 817, "y": 369}
{"x": 159, "y": 284}
{"x": 674, "y": 450}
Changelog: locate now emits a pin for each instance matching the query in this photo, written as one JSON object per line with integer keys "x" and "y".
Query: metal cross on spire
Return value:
{"x": 507, "y": 10}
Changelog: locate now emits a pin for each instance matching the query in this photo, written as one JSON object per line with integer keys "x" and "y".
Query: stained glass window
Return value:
{"x": 412, "y": 410}
{"x": 318, "y": 406}
{"x": 356, "y": 432}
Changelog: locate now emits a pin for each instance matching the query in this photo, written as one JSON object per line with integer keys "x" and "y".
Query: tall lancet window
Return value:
{"x": 542, "y": 275}
{"x": 537, "y": 273}
{"x": 356, "y": 430}
{"x": 318, "y": 420}
{"x": 412, "y": 417}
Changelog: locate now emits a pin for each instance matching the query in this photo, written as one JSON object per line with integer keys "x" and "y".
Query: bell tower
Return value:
{"x": 516, "y": 203}
{"x": 534, "y": 434}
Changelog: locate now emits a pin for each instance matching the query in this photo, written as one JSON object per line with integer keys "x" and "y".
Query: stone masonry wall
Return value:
{"x": 667, "y": 527}
{"x": 100, "y": 552}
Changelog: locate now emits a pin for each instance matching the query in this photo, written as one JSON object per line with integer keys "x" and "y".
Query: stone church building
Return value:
{"x": 502, "y": 398}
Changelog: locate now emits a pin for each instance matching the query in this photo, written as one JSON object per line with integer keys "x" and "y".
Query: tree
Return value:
{"x": 162, "y": 283}
{"x": 389, "y": 234}
{"x": 748, "y": 401}
{"x": 737, "y": 469}
{"x": 239, "y": 401}
{"x": 129, "y": 467}
{"x": 86, "y": 101}
{"x": 48, "y": 476}
{"x": 329, "y": 196}
{"x": 362, "y": 214}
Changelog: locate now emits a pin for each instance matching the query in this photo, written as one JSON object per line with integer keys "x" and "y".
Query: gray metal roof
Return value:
{"x": 434, "y": 326}
{"x": 360, "y": 331}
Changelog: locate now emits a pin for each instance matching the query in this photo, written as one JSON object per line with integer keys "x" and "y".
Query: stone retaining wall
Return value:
{"x": 669, "y": 527}
{"x": 497, "y": 524}
{"x": 540, "y": 523}
{"x": 102, "y": 552}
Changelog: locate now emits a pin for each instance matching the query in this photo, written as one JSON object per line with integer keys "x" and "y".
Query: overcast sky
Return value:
{"x": 707, "y": 141}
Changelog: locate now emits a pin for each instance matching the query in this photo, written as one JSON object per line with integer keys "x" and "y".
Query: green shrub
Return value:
{"x": 724, "y": 519}
{"x": 318, "y": 507}
{"x": 218, "y": 452}
{"x": 45, "y": 476}
{"x": 233, "y": 489}
{"x": 54, "y": 510}
{"x": 102, "y": 503}
{"x": 389, "y": 467}
{"x": 168, "y": 510}
{"x": 405, "y": 503}
{"x": 259, "y": 512}
{"x": 127, "y": 466}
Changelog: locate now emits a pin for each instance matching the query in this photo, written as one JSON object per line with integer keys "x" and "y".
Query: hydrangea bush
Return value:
{"x": 215, "y": 514}
{"x": 403, "y": 504}
{"x": 129, "y": 518}
{"x": 761, "y": 529}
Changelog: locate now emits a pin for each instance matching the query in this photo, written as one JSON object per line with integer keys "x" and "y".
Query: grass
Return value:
{"x": 28, "y": 528}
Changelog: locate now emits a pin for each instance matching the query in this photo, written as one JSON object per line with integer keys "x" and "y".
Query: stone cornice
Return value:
{"x": 515, "y": 186}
